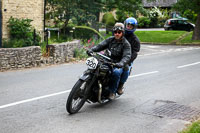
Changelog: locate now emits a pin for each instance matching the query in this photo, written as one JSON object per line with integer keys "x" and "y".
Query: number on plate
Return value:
{"x": 92, "y": 63}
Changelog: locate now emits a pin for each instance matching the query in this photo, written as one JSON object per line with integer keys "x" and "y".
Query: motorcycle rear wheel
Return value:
{"x": 76, "y": 98}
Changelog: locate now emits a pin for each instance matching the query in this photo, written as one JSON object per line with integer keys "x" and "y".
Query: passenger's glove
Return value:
{"x": 119, "y": 65}
{"x": 126, "y": 67}
{"x": 89, "y": 52}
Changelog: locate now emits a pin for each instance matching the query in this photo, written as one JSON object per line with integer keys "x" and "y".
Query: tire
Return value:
{"x": 170, "y": 28}
{"x": 76, "y": 98}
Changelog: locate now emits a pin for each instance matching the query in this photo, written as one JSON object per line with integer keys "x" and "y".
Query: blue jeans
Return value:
{"x": 115, "y": 78}
{"x": 125, "y": 74}
{"x": 118, "y": 76}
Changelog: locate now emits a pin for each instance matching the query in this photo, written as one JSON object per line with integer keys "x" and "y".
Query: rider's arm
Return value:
{"x": 126, "y": 53}
{"x": 103, "y": 45}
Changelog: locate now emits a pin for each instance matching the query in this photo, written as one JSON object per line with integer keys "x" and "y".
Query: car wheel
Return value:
{"x": 170, "y": 29}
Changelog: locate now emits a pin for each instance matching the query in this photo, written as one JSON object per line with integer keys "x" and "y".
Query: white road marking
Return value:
{"x": 142, "y": 74}
{"x": 171, "y": 50}
{"x": 153, "y": 46}
{"x": 33, "y": 99}
{"x": 59, "y": 93}
{"x": 192, "y": 64}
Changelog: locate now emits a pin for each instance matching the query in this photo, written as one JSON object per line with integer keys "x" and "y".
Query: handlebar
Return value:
{"x": 108, "y": 59}
{"x": 104, "y": 56}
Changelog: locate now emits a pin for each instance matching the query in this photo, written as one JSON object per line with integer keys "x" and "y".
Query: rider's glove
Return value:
{"x": 89, "y": 52}
{"x": 119, "y": 65}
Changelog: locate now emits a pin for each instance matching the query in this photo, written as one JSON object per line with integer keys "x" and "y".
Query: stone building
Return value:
{"x": 159, "y": 3}
{"x": 31, "y": 9}
{"x": 165, "y": 4}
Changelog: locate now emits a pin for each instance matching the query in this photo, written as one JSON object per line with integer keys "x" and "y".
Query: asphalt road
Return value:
{"x": 33, "y": 100}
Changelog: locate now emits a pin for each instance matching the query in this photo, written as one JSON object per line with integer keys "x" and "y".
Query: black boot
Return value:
{"x": 120, "y": 89}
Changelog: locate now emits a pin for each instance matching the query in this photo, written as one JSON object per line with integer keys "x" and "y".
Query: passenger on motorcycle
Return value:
{"x": 120, "y": 53}
{"x": 130, "y": 27}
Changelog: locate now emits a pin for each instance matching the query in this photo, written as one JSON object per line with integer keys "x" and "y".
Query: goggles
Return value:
{"x": 117, "y": 28}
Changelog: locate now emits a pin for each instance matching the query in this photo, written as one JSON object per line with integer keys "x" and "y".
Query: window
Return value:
{"x": 180, "y": 22}
{"x": 173, "y": 21}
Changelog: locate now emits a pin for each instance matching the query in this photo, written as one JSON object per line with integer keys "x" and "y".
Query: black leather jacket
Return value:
{"x": 135, "y": 45}
{"x": 120, "y": 51}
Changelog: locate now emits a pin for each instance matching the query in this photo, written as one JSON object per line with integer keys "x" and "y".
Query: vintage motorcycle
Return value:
{"x": 93, "y": 84}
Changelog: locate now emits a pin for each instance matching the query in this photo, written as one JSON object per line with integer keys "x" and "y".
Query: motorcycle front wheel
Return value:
{"x": 76, "y": 98}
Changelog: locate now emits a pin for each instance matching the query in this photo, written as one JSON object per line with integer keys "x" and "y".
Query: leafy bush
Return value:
{"x": 123, "y": 15}
{"x": 80, "y": 53}
{"x": 62, "y": 38}
{"x": 21, "y": 33}
{"x": 108, "y": 19}
{"x": 69, "y": 27}
{"x": 43, "y": 48}
{"x": 154, "y": 15}
{"x": 13, "y": 43}
{"x": 19, "y": 29}
{"x": 163, "y": 17}
{"x": 144, "y": 22}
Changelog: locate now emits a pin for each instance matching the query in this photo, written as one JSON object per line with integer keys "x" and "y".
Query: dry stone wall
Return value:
{"x": 15, "y": 58}
{"x": 27, "y": 57}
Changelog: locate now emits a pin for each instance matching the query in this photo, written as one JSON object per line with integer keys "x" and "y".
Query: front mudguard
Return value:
{"x": 88, "y": 77}
{"x": 85, "y": 76}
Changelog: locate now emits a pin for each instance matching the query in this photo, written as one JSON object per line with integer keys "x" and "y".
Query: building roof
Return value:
{"x": 159, "y": 3}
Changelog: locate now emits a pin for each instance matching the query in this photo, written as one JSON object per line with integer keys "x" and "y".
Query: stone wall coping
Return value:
{"x": 20, "y": 48}
{"x": 64, "y": 43}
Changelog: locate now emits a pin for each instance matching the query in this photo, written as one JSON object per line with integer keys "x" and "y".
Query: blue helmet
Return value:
{"x": 132, "y": 21}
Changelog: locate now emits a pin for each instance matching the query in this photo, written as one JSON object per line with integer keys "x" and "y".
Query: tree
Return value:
{"x": 82, "y": 12}
{"x": 193, "y": 5}
{"x": 86, "y": 12}
{"x": 128, "y": 6}
{"x": 62, "y": 10}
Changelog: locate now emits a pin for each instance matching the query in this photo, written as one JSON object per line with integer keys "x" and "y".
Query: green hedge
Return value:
{"x": 144, "y": 22}
{"x": 108, "y": 19}
{"x": 84, "y": 32}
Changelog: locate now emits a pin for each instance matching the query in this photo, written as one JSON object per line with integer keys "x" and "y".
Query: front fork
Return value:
{"x": 88, "y": 76}
{"x": 100, "y": 92}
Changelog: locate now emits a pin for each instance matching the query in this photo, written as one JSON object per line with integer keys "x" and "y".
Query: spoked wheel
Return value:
{"x": 76, "y": 97}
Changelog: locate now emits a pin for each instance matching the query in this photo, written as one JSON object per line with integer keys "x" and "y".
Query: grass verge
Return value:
{"x": 163, "y": 37}
{"x": 159, "y": 36}
{"x": 193, "y": 128}
{"x": 188, "y": 40}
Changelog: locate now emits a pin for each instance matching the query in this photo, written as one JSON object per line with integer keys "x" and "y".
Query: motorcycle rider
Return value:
{"x": 120, "y": 53}
{"x": 130, "y": 27}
